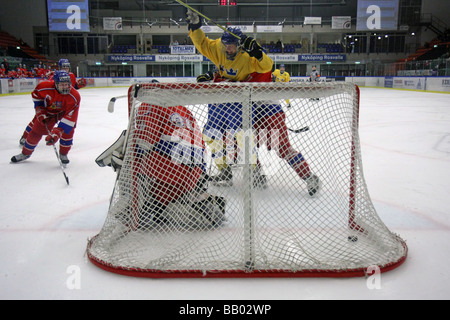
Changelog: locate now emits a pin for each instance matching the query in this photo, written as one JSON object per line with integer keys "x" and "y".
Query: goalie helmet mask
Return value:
{"x": 229, "y": 38}
{"x": 63, "y": 83}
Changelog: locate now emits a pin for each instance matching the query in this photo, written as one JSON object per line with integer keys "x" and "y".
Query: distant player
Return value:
{"x": 168, "y": 163}
{"x": 281, "y": 75}
{"x": 236, "y": 58}
{"x": 66, "y": 139}
{"x": 314, "y": 76}
{"x": 55, "y": 102}
{"x": 64, "y": 64}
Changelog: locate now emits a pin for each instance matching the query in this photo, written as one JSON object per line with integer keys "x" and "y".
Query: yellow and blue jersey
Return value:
{"x": 281, "y": 77}
{"x": 237, "y": 69}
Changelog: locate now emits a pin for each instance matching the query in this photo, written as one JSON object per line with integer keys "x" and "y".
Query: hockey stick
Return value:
{"x": 304, "y": 129}
{"x": 127, "y": 132}
{"x": 59, "y": 159}
{"x": 202, "y": 15}
{"x": 113, "y": 101}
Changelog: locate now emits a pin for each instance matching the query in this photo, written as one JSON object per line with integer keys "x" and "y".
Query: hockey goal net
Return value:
{"x": 294, "y": 202}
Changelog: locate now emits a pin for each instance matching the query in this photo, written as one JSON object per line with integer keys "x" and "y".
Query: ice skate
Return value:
{"x": 312, "y": 184}
{"x": 19, "y": 157}
{"x": 259, "y": 179}
{"x": 223, "y": 179}
{"x": 64, "y": 158}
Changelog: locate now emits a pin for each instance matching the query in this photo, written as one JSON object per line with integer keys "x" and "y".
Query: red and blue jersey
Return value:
{"x": 62, "y": 107}
{"x": 172, "y": 131}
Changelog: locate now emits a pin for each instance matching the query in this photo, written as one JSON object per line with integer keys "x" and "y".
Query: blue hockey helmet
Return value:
{"x": 62, "y": 81}
{"x": 229, "y": 36}
{"x": 64, "y": 64}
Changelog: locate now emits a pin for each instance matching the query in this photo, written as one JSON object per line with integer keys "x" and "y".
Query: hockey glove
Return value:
{"x": 54, "y": 136}
{"x": 205, "y": 77}
{"x": 249, "y": 45}
{"x": 41, "y": 116}
{"x": 193, "y": 20}
{"x": 81, "y": 83}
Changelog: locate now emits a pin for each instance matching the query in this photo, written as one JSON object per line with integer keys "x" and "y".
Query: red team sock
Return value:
{"x": 273, "y": 131}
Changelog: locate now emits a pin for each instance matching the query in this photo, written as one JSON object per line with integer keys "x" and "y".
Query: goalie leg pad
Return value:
{"x": 104, "y": 159}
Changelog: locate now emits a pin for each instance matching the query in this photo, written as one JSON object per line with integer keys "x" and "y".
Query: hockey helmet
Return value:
{"x": 64, "y": 64}
{"x": 229, "y": 38}
{"x": 62, "y": 80}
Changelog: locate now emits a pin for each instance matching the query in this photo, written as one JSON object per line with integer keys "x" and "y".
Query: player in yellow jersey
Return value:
{"x": 280, "y": 75}
{"x": 236, "y": 57}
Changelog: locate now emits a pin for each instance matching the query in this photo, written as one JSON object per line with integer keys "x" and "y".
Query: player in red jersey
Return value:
{"x": 64, "y": 64}
{"x": 167, "y": 162}
{"x": 269, "y": 120}
{"x": 2, "y": 71}
{"x": 55, "y": 101}
{"x": 66, "y": 138}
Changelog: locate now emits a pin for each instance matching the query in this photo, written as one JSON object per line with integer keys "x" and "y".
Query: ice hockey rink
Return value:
{"x": 45, "y": 224}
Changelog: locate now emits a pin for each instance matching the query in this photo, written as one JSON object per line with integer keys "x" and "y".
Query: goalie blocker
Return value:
{"x": 169, "y": 192}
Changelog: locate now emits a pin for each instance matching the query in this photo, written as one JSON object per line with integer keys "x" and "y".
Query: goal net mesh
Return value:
{"x": 293, "y": 202}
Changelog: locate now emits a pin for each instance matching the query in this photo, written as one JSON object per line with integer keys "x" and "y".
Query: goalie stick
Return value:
{"x": 113, "y": 101}
{"x": 125, "y": 134}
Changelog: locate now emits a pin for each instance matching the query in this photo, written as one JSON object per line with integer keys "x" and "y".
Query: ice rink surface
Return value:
{"x": 45, "y": 224}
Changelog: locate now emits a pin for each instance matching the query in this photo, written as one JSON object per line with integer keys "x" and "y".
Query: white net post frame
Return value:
{"x": 278, "y": 231}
